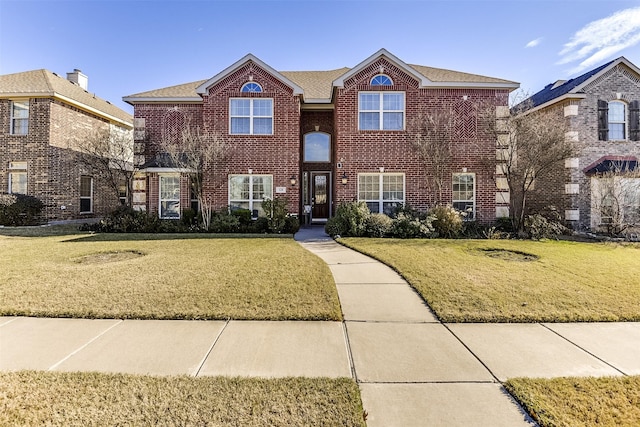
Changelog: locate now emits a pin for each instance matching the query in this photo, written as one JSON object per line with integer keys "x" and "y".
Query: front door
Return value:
{"x": 320, "y": 195}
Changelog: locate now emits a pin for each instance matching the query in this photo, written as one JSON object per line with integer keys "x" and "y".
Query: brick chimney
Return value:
{"x": 78, "y": 78}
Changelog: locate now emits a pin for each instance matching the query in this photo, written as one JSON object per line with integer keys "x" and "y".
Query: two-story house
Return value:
{"x": 41, "y": 116}
{"x": 601, "y": 185}
{"x": 319, "y": 138}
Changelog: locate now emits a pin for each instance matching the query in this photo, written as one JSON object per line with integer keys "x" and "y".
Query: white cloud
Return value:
{"x": 602, "y": 39}
{"x": 534, "y": 43}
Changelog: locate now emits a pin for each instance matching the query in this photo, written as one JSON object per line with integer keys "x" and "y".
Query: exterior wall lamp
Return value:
{"x": 293, "y": 180}
{"x": 344, "y": 178}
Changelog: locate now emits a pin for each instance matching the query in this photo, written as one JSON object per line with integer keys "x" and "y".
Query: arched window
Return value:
{"x": 251, "y": 87}
{"x": 317, "y": 147}
{"x": 381, "y": 80}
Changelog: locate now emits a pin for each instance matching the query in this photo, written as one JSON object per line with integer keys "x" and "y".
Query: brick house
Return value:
{"x": 602, "y": 110}
{"x": 41, "y": 114}
{"x": 319, "y": 138}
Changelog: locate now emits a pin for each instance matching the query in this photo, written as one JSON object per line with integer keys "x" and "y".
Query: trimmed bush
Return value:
{"x": 379, "y": 225}
{"x": 19, "y": 210}
{"x": 407, "y": 226}
{"x": 447, "y": 222}
{"x": 350, "y": 220}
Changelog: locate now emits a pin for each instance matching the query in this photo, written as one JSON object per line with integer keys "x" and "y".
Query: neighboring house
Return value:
{"x": 599, "y": 189}
{"x": 319, "y": 138}
{"x": 42, "y": 115}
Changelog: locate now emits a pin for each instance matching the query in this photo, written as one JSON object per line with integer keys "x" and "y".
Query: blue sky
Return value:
{"x": 126, "y": 47}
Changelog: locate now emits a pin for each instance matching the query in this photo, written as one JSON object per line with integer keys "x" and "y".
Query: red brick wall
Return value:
{"x": 276, "y": 154}
{"x": 367, "y": 151}
{"x": 53, "y": 172}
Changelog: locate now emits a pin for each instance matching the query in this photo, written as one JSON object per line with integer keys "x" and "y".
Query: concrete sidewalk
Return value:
{"x": 411, "y": 369}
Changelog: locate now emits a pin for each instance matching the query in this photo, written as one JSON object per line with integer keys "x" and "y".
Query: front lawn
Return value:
{"x": 81, "y": 399}
{"x": 516, "y": 281}
{"x": 164, "y": 277}
{"x": 605, "y": 402}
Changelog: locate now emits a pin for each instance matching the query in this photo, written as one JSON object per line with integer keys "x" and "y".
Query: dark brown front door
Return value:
{"x": 320, "y": 194}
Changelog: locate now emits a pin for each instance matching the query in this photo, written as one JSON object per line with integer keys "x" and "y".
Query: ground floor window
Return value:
{"x": 464, "y": 194}
{"x": 169, "y": 196}
{"x": 17, "y": 177}
{"x": 615, "y": 202}
{"x": 248, "y": 192}
{"x": 383, "y": 192}
{"x": 86, "y": 194}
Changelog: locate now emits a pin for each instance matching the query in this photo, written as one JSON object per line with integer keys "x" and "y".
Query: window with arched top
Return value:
{"x": 381, "y": 80}
{"x": 251, "y": 87}
{"x": 317, "y": 147}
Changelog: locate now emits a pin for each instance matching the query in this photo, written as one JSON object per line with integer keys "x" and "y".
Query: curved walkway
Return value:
{"x": 412, "y": 370}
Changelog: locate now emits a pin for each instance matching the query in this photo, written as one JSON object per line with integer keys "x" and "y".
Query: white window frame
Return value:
{"x": 251, "y": 116}
{"x": 15, "y": 169}
{"x": 14, "y": 118}
{"x": 161, "y": 212}
{"x": 381, "y": 77}
{"x": 470, "y": 215}
{"x": 248, "y": 85}
{"x": 623, "y": 122}
{"x": 89, "y": 197}
{"x": 381, "y": 111}
{"x": 252, "y": 201}
{"x": 380, "y": 200}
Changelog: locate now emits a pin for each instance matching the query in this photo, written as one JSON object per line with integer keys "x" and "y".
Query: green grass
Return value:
{"x": 487, "y": 280}
{"x": 81, "y": 399}
{"x": 569, "y": 402}
{"x": 164, "y": 277}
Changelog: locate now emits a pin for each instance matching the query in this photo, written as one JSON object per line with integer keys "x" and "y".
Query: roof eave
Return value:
{"x": 564, "y": 97}
{"x": 511, "y": 86}
{"x": 132, "y": 100}
{"x": 70, "y": 101}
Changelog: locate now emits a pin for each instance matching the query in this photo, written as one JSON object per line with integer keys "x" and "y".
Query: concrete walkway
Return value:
{"x": 412, "y": 370}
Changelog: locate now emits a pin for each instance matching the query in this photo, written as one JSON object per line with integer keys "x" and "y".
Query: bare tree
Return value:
{"x": 108, "y": 153}
{"x": 198, "y": 152}
{"x": 615, "y": 198}
{"x": 431, "y": 135}
{"x": 531, "y": 144}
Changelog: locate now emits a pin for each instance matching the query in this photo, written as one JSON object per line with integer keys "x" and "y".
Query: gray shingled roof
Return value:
{"x": 44, "y": 83}
{"x": 318, "y": 84}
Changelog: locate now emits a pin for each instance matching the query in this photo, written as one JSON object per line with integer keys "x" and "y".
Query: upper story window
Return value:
{"x": 617, "y": 120}
{"x": 381, "y": 80}
{"x": 19, "y": 117}
{"x": 317, "y": 147}
{"x": 251, "y": 87}
{"x": 251, "y": 116}
{"x": 381, "y": 111}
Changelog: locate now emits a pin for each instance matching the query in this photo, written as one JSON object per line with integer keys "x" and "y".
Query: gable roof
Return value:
{"x": 317, "y": 86}
{"x": 204, "y": 87}
{"x": 573, "y": 87}
{"x": 44, "y": 83}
